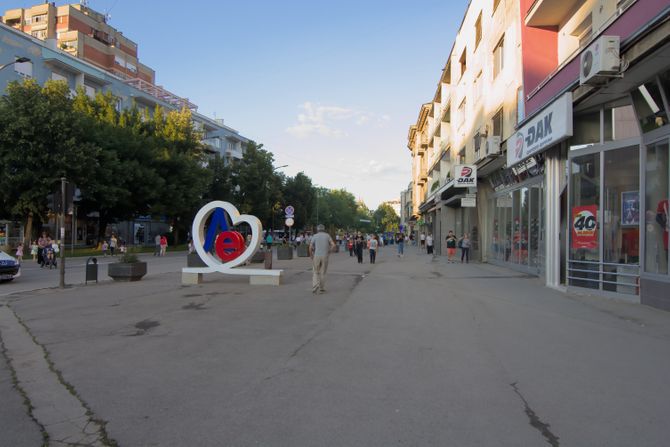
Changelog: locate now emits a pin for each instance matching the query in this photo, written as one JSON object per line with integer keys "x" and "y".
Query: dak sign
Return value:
{"x": 465, "y": 176}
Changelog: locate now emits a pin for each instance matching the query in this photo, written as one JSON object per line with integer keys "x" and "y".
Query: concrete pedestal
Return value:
{"x": 191, "y": 279}
{"x": 265, "y": 280}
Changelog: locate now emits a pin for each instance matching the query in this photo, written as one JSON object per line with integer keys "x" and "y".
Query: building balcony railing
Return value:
{"x": 160, "y": 93}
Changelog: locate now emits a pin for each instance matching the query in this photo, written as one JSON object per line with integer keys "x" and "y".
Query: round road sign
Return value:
{"x": 289, "y": 222}
{"x": 290, "y": 211}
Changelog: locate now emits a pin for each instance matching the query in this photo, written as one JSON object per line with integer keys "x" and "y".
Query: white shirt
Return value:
{"x": 423, "y": 237}
{"x": 429, "y": 240}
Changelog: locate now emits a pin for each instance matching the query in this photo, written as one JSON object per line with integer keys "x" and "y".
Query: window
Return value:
{"x": 119, "y": 61}
{"x": 498, "y": 57}
{"x": 477, "y": 141}
{"x": 477, "y": 88}
{"x": 40, "y": 18}
{"x": 649, "y": 106}
{"x": 520, "y": 106}
{"x": 58, "y": 77}
{"x": 461, "y": 156}
{"x": 90, "y": 91}
{"x": 461, "y": 113}
{"x": 498, "y": 123}
{"x": 130, "y": 66}
{"x": 478, "y": 30}
{"x": 24, "y": 69}
{"x": 463, "y": 61}
{"x": 657, "y": 217}
{"x": 39, "y": 34}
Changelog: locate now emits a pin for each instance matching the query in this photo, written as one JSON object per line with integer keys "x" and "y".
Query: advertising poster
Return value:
{"x": 630, "y": 208}
{"x": 584, "y": 227}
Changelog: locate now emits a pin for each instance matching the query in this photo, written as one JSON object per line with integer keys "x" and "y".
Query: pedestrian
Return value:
{"x": 33, "y": 250}
{"x": 164, "y": 245}
{"x": 360, "y": 246}
{"x": 320, "y": 247}
{"x": 451, "y": 246}
{"x": 429, "y": 243}
{"x": 19, "y": 252}
{"x": 374, "y": 243}
{"x": 113, "y": 242}
{"x": 122, "y": 248}
{"x": 105, "y": 246}
{"x": 157, "y": 245}
{"x": 350, "y": 246}
{"x": 42, "y": 243}
{"x": 268, "y": 241}
{"x": 465, "y": 248}
{"x": 423, "y": 240}
{"x": 400, "y": 241}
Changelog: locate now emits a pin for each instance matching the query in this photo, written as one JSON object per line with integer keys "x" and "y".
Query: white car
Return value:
{"x": 9, "y": 267}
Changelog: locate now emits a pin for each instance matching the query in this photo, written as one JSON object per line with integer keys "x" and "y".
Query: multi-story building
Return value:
{"x": 576, "y": 188}
{"x": 83, "y": 33}
{"x": 468, "y": 122}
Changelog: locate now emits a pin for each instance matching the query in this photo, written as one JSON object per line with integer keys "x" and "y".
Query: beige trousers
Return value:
{"x": 320, "y": 266}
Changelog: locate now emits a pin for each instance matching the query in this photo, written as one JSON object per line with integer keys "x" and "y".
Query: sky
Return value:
{"x": 330, "y": 88}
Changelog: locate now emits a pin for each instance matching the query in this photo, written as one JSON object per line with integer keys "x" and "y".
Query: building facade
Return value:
{"x": 578, "y": 191}
{"x": 468, "y": 122}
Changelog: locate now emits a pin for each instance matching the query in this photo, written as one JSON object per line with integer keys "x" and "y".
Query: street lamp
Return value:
{"x": 17, "y": 60}
{"x": 279, "y": 167}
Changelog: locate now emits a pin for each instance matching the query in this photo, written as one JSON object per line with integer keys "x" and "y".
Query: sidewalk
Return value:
{"x": 410, "y": 351}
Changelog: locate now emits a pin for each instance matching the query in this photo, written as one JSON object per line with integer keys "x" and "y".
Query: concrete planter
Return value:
{"x": 120, "y": 271}
{"x": 303, "y": 251}
{"x": 193, "y": 260}
{"x": 258, "y": 257}
{"x": 284, "y": 253}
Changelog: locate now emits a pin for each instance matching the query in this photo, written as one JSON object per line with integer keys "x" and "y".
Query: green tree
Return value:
{"x": 220, "y": 180}
{"x": 299, "y": 192}
{"x": 385, "y": 218}
{"x": 41, "y": 140}
{"x": 257, "y": 187}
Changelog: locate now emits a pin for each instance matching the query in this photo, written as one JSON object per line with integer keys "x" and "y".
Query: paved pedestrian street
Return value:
{"x": 409, "y": 352}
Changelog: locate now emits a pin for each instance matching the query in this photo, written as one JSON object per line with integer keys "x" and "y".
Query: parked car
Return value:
{"x": 9, "y": 267}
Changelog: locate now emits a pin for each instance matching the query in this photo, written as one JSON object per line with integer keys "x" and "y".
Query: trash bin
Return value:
{"x": 91, "y": 270}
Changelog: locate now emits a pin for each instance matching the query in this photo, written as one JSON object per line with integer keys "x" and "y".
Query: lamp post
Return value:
{"x": 17, "y": 60}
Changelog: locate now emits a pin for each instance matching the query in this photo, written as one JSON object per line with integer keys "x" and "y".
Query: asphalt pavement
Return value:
{"x": 407, "y": 352}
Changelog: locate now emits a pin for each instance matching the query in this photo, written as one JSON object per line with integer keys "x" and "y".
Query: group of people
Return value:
{"x": 356, "y": 243}
{"x": 160, "y": 245}
{"x": 113, "y": 246}
{"x": 453, "y": 242}
{"x": 44, "y": 251}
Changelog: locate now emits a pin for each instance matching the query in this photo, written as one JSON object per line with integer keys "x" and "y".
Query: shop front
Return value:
{"x": 619, "y": 187}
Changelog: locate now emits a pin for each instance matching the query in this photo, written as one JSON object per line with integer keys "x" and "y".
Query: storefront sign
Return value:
{"x": 552, "y": 125}
{"x": 504, "y": 202}
{"x": 584, "y": 227}
{"x": 465, "y": 176}
{"x": 468, "y": 202}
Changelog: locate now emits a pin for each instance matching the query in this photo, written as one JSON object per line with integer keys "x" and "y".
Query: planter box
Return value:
{"x": 120, "y": 271}
{"x": 303, "y": 251}
{"x": 284, "y": 253}
{"x": 258, "y": 257}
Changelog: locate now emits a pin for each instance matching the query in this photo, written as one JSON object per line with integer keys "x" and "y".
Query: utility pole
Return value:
{"x": 62, "y": 234}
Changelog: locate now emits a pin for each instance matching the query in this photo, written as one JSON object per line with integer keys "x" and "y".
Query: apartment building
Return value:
{"x": 83, "y": 33}
{"x": 468, "y": 122}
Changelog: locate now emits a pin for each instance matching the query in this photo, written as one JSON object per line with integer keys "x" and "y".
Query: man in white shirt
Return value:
{"x": 429, "y": 244}
{"x": 319, "y": 249}
{"x": 423, "y": 241}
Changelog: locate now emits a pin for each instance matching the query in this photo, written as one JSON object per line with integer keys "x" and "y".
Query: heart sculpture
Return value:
{"x": 228, "y": 243}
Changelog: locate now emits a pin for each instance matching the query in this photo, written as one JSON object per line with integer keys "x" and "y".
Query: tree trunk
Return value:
{"x": 28, "y": 231}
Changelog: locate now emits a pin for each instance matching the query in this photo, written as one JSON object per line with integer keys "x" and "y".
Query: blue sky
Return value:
{"x": 329, "y": 87}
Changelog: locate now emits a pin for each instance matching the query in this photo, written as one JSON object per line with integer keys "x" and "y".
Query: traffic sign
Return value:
{"x": 290, "y": 211}
{"x": 289, "y": 222}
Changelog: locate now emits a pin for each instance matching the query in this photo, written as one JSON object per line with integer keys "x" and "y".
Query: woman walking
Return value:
{"x": 164, "y": 245}
{"x": 360, "y": 245}
{"x": 465, "y": 248}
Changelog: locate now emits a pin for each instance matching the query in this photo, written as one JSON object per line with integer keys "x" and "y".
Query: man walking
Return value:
{"x": 319, "y": 250}
{"x": 157, "y": 248}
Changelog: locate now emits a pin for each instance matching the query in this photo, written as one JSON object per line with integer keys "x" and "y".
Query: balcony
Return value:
{"x": 550, "y": 12}
{"x": 160, "y": 93}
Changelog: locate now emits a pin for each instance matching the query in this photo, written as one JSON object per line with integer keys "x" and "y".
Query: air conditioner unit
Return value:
{"x": 600, "y": 60}
{"x": 492, "y": 145}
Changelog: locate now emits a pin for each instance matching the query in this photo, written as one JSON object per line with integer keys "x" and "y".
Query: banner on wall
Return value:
{"x": 584, "y": 227}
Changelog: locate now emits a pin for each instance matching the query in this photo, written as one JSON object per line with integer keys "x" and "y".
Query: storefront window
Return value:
{"x": 507, "y": 228}
{"x": 657, "y": 215}
{"x": 622, "y": 206}
{"x": 584, "y": 221}
{"x": 535, "y": 218}
{"x": 524, "y": 212}
{"x": 649, "y": 106}
{"x": 620, "y": 123}
{"x": 586, "y": 130}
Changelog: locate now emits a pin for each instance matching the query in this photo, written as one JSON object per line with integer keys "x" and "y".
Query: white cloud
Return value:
{"x": 376, "y": 168}
{"x": 328, "y": 121}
